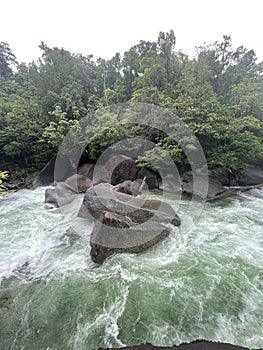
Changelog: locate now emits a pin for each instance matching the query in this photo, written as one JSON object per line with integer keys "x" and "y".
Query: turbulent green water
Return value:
{"x": 206, "y": 283}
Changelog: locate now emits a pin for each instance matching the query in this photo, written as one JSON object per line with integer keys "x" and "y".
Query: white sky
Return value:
{"x": 104, "y": 27}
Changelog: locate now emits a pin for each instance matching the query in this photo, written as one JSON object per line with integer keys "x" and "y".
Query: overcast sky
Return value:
{"x": 104, "y": 27}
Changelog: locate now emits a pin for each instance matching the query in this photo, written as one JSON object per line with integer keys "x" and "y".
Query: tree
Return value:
{"x": 165, "y": 44}
{"x": 57, "y": 129}
{"x": 7, "y": 59}
{"x": 218, "y": 94}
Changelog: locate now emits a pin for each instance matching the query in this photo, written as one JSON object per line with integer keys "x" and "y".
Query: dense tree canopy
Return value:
{"x": 218, "y": 93}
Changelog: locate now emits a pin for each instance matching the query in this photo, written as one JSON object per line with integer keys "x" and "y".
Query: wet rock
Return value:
{"x": 125, "y": 187}
{"x": 59, "y": 196}
{"x": 194, "y": 345}
{"x": 225, "y": 176}
{"x": 130, "y": 187}
{"x": 125, "y": 170}
{"x": 171, "y": 184}
{"x": 70, "y": 237}
{"x": 118, "y": 235}
{"x": 65, "y": 192}
{"x": 116, "y": 170}
{"x": 214, "y": 188}
{"x": 103, "y": 197}
{"x": 51, "y": 198}
{"x": 78, "y": 183}
{"x": 64, "y": 170}
{"x": 150, "y": 178}
{"x": 252, "y": 176}
{"x": 46, "y": 175}
{"x": 5, "y": 300}
{"x": 124, "y": 223}
{"x": 86, "y": 169}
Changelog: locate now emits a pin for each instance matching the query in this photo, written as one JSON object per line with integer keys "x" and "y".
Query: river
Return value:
{"x": 204, "y": 283}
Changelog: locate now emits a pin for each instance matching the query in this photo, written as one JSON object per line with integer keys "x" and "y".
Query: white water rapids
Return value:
{"x": 206, "y": 283}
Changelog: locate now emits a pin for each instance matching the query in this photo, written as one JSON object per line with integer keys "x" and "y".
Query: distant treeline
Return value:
{"x": 218, "y": 94}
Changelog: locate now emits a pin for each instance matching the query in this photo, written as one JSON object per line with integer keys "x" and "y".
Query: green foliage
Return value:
{"x": 218, "y": 94}
{"x": 155, "y": 158}
{"x": 59, "y": 126}
{"x": 22, "y": 121}
{"x": 3, "y": 175}
{"x": 7, "y": 59}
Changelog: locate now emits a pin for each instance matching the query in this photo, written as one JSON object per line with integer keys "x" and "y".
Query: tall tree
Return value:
{"x": 7, "y": 59}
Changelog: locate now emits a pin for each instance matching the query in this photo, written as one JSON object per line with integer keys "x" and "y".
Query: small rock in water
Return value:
{"x": 69, "y": 238}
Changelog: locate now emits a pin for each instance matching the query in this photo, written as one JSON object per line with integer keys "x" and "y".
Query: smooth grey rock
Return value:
{"x": 252, "y": 176}
{"x": 150, "y": 178}
{"x": 224, "y": 175}
{"x": 104, "y": 197}
{"x": 64, "y": 170}
{"x": 130, "y": 187}
{"x": 59, "y": 196}
{"x": 78, "y": 183}
{"x": 120, "y": 238}
{"x": 214, "y": 186}
{"x": 171, "y": 184}
{"x": 86, "y": 169}
{"x": 115, "y": 170}
{"x": 65, "y": 192}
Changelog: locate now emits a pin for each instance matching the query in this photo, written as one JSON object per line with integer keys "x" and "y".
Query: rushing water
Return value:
{"x": 206, "y": 283}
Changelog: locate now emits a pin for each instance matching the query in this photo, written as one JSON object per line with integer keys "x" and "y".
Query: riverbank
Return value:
{"x": 208, "y": 184}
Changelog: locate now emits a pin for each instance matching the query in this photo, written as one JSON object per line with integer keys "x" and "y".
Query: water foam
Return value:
{"x": 205, "y": 283}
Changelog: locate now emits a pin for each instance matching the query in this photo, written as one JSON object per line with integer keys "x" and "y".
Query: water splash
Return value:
{"x": 203, "y": 284}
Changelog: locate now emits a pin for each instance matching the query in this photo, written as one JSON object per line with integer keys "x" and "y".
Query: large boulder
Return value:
{"x": 224, "y": 175}
{"x": 59, "y": 196}
{"x": 124, "y": 223}
{"x": 46, "y": 175}
{"x": 86, "y": 169}
{"x": 115, "y": 170}
{"x": 111, "y": 236}
{"x": 130, "y": 187}
{"x": 125, "y": 169}
{"x": 215, "y": 187}
{"x": 58, "y": 169}
{"x": 171, "y": 183}
{"x": 78, "y": 183}
{"x": 104, "y": 198}
{"x": 151, "y": 179}
{"x": 252, "y": 176}
{"x": 65, "y": 192}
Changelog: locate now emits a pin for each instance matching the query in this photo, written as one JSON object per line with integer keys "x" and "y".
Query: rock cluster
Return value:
{"x": 124, "y": 223}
